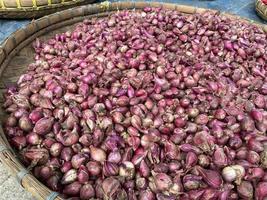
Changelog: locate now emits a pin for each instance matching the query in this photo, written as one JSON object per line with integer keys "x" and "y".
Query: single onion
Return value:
{"x": 97, "y": 154}
{"x": 127, "y": 170}
{"x": 245, "y": 190}
{"x": 233, "y": 173}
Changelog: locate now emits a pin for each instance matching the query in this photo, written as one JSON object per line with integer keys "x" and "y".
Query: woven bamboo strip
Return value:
{"x": 261, "y": 9}
{"x": 34, "y": 3}
{"x": 35, "y": 8}
{"x": 17, "y": 48}
{"x": 2, "y": 4}
{"x": 18, "y": 4}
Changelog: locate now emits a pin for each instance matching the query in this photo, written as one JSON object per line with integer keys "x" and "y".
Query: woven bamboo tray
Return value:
{"x": 16, "y": 53}
{"x": 35, "y": 8}
{"x": 261, "y": 9}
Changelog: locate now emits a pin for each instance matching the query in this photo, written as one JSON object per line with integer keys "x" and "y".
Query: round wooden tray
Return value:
{"x": 261, "y": 9}
{"x": 35, "y": 8}
{"x": 16, "y": 53}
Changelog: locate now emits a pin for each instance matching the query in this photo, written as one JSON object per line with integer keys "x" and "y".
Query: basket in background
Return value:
{"x": 35, "y": 8}
{"x": 261, "y": 9}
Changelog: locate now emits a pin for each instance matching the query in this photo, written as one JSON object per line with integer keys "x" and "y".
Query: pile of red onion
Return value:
{"x": 146, "y": 105}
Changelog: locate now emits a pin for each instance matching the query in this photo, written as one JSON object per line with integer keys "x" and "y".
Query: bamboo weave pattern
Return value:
{"x": 261, "y": 9}
{"x": 20, "y": 4}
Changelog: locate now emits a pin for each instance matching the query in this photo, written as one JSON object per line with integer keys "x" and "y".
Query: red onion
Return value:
{"x": 85, "y": 140}
{"x": 263, "y": 157}
{"x": 171, "y": 150}
{"x": 141, "y": 183}
{"x": 191, "y": 182}
{"x": 43, "y": 126}
{"x": 261, "y": 192}
{"x": 191, "y": 159}
{"x": 162, "y": 181}
{"x": 254, "y": 174}
{"x": 147, "y": 195}
{"x": 110, "y": 169}
{"x": 242, "y": 153}
{"x": 202, "y": 119}
{"x": 204, "y": 141}
{"x": 144, "y": 169}
{"x": 33, "y": 138}
{"x": 233, "y": 173}
{"x": 36, "y": 155}
{"x": 35, "y": 115}
{"x": 11, "y": 121}
{"x": 69, "y": 177}
{"x": 21, "y": 101}
{"x": 83, "y": 175}
{"x": 195, "y": 194}
{"x": 94, "y": 168}
{"x": 114, "y": 157}
{"x": 19, "y": 142}
{"x": 210, "y": 194}
{"x": 72, "y": 189}
{"x": 110, "y": 187}
{"x": 77, "y": 148}
{"x": 211, "y": 177}
{"x": 180, "y": 123}
{"x": 25, "y": 124}
{"x": 87, "y": 191}
{"x": 56, "y": 149}
{"x": 97, "y": 154}
{"x": 66, "y": 167}
{"x": 161, "y": 167}
{"x": 219, "y": 157}
{"x": 68, "y": 138}
{"x": 78, "y": 160}
{"x": 127, "y": 170}
{"x": 66, "y": 154}
{"x": 247, "y": 124}
{"x": 255, "y": 145}
{"x": 193, "y": 112}
{"x": 245, "y": 190}
{"x": 20, "y": 112}
{"x": 48, "y": 142}
{"x": 148, "y": 140}
{"x": 253, "y": 157}
{"x": 188, "y": 147}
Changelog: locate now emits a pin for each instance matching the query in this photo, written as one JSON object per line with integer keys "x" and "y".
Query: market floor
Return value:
{"x": 9, "y": 187}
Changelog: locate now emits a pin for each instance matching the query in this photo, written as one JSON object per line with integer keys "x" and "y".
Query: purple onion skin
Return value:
{"x": 72, "y": 189}
{"x": 43, "y": 126}
{"x": 53, "y": 183}
{"x": 261, "y": 191}
{"x": 245, "y": 190}
{"x": 211, "y": 177}
{"x": 87, "y": 191}
{"x": 147, "y": 195}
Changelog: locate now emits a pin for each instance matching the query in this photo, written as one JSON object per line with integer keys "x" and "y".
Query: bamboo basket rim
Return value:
{"x": 33, "y": 11}
{"x": 41, "y": 7}
{"x": 24, "y": 36}
{"x": 261, "y": 9}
